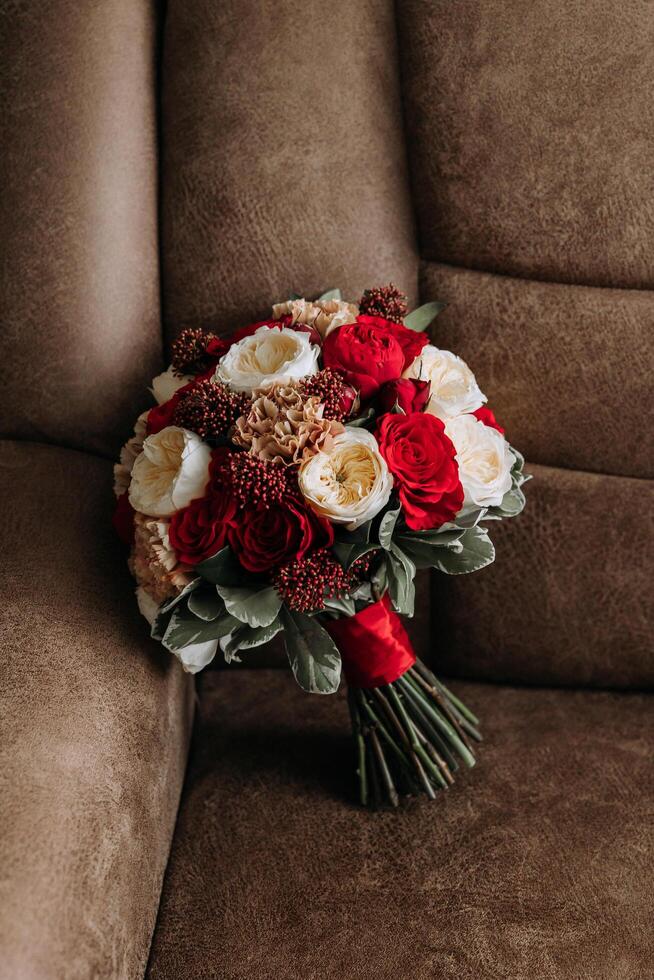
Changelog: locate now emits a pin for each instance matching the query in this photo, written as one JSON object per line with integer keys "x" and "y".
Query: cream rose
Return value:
{"x": 172, "y": 470}
{"x": 350, "y": 482}
{"x": 485, "y": 460}
{"x": 323, "y": 314}
{"x": 166, "y": 384}
{"x": 128, "y": 454}
{"x": 272, "y": 355}
{"x": 454, "y": 389}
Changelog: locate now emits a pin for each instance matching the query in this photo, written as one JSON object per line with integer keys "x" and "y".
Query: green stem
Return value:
{"x": 427, "y": 674}
{"x": 386, "y": 775}
{"x": 420, "y": 756}
{"x": 361, "y": 748}
{"x": 444, "y": 725}
{"x": 431, "y": 694}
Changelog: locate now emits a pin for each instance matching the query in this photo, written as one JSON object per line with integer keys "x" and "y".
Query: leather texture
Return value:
{"x": 79, "y": 294}
{"x": 538, "y": 862}
{"x": 283, "y": 157}
{"x": 528, "y": 127}
{"x": 94, "y": 726}
{"x": 568, "y": 599}
{"x": 567, "y": 369}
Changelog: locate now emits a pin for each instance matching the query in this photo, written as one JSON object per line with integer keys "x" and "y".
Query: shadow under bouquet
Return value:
{"x": 293, "y": 477}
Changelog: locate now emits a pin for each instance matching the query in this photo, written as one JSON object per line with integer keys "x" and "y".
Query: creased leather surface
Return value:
{"x": 537, "y": 863}
{"x": 94, "y": 724}
{"x": 568, "y": 599}
{"x": 529, "y": 135}
{"x": 79, "y": 303}
{"x": 567, "y": 369}
{"x": 283, "y": 157}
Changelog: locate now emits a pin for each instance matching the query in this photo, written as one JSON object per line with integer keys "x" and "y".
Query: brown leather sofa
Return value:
{"x": 170, "y": 167}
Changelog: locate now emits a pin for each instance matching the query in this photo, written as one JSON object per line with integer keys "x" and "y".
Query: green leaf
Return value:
{"x": 245, "y": 637}
{"x": 366, "y": 421}
{"x": 293, "y": 297}
{"x": 184, "y": 629}
{"x": 425, "y": 548}
{"x": 176, "y": 599}
{"x": 345, "y": 605}
{"x": 256, "y": 608}
{"x": 330, "y": 294}
{"x": 387, "y": 526}
{"x": 357, "y": 535}
{"x": 476, "y": 552}
{"x": 313, "y": 655}
{"x": 224, "y": 568}
{"x": 423, "y": 316}
{"x": 348, "y": 553}
{"x": 206, "y": 604}
{"x": 401, "y": 572}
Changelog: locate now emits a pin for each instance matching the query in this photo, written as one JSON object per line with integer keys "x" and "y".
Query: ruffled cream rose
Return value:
{"x": 323, "y": 314}
{"x": 172, "y": 470}
{"x": 128, "y": 454}
{"x": 153, "y": 561}
{"x": 454, "y": 389}
{"x": 166, "y": 384}
{"x": 350, "y": 482}
{"x": 272, "y": 355}
{"x": 485, "y": 460}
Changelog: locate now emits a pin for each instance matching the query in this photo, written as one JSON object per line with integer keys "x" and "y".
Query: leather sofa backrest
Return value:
{"x": 79, "y": 288}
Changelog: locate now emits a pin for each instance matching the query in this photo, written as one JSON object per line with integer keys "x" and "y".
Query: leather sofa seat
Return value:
{"x": 535, "y": 863}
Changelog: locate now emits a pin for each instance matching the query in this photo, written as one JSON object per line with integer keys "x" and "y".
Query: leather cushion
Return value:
{"x": 538, "y": 862}
{"x": 528, "y": 134}
{"x": 79, "y": 287}
{"x": 283, "y": 157}
{"x": 94, "y": 727}
{"x": 568, "y": 598}
{"x": 562, "y": 366}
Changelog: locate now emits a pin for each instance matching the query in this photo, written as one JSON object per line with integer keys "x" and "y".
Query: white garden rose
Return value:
{"x": 350, "y": 482}
{"x": 196, "y": 656}
{"x": 454, "y": 389}
{"x": 485, "y": 460}
{"x": 166, "y": 384}
{"x": 272, "y": 355}
{"x": 172, "y": 470}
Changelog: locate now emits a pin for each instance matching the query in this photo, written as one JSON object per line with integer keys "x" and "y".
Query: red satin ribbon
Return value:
{"x": 374, "y": 645}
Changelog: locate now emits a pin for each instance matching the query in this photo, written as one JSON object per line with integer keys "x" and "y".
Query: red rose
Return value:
{"x": 486, "y": 416}
{"x": 199, "y": 530}
{"x": 425, "y": 472}
{"x": 123, "y": 520}
{"x": 371, "y": 352}
{"x": 267, "y": 536}
{"x": 408, "y": 393}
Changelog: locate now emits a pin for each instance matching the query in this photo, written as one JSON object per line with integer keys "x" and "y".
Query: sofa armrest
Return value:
{"x": 94, "y": 730}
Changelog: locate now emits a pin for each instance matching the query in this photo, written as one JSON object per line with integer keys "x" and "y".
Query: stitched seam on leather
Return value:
{"x": 424, "y": 260}
{"x": 42, "y": 443}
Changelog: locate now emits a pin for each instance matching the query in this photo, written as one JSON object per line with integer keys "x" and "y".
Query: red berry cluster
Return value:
{"x": 189, "y": 351}
{"x": 337, "y": 396}
{"x": 305, "y": 584}
{"x": 259, "y": 482}
{"x": 386, "y": 301}
{"x": 208, "y": 409}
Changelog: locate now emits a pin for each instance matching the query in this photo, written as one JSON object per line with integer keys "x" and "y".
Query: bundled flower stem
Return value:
{"x": 293, "y": 478}
{"x": 410, "y": 735}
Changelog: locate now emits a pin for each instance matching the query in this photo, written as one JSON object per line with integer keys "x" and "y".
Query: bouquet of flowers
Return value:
{"x": 293, "y": 477}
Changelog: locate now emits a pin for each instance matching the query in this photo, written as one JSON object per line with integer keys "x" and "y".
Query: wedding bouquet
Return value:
{"x": 292, "y": 477}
